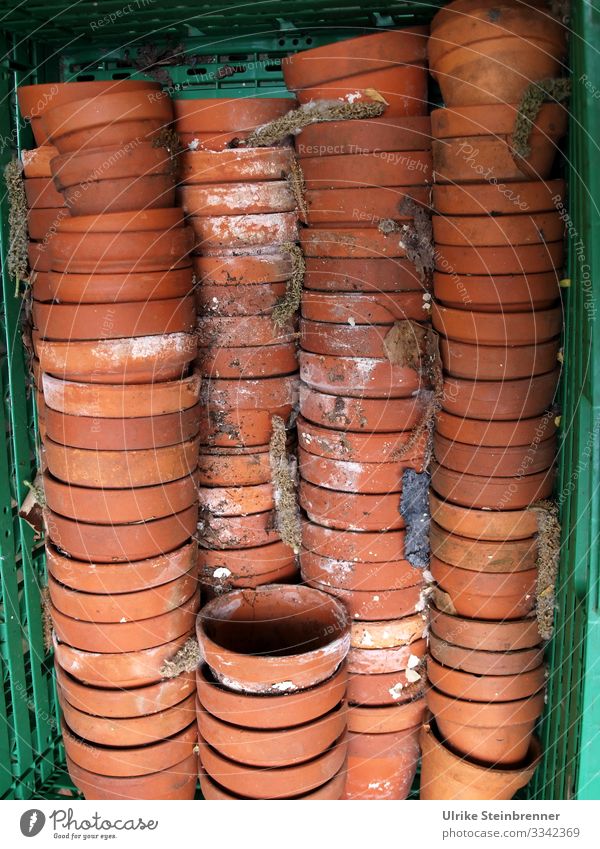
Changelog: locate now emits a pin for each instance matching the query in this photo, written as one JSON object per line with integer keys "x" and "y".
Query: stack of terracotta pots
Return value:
{"x": 498, "y": 245}
{"x": 243, "y": 211}
{"x": 272, "y": 715}
{"x": 116, "y": 344}
{"x": 363, "y": 309}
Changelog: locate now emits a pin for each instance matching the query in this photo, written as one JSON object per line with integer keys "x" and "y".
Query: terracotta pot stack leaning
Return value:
{"x": 242, "y": 208}
{"x": 498, "y": 246}
{"x": 272, "y": 715}
{"x": 364, "y": 312}
{"x": 115, "y": 338}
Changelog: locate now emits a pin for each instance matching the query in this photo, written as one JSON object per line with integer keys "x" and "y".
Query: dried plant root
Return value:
{"x": 283, "y": 476}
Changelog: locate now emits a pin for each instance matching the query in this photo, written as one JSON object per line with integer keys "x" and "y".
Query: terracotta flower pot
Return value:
{"x": 382, "y": 661}
{"x": 485, "y": 688}
{"x": 41, "y": 193}
{"x": 241, "y": 198}
{"x": 35, "y": 100}
{"x": 370, "y": 135}
{"x": 118, "y": 578}
{"x": 131, "y": 359}
{"x": 497, "y": 663}
{"x": 500, "y": 595}
{"x": 238, "y": 531}
{"x": 38, "y": 254}
{"x": 281, "y": 575}
{"x": 382, "y": 766}
{"x": 357, "y": 575}
{"x": 275, "y": 712}
{"x": 262, "y": 361}
{"x": 222, "y": 114}
{"x": 271, "y": 393}
{"x": 349, "y": 243}
{"x": 124, "y": 607}
{"x": 487, "y": 198}
{"x": 352, "y": 476}
{"x": 353, "y": 546}
{"x": 242, "y": 300}
{"x": 350, "y": 511}
{"x": 118, "y": 242}
{"x": 239, "y": 166}
{"x": 478, "y": 362}
{"x": 362, "y": 309}
{"x": 483, "y": 635}
{"x": 388, "y": 633}
{"x": 123, "y": 434}
{"x": 130, "y": 731}
{"x": 351, "y": 274}
{"x": 495, "y": 461}
{"x": 482, "y": 556}
{"x": 369, "y": 415}
{"x": 529, "y": 432}
{"x": 119, "y": 506}
{"x": 36, "y": 162}
{"x": 446, "y": 775}
{"x": 358, "y": 377}
{"x": 120, "y": 543}
{"x": 490, "y": 54}
{"x": 119, "y": 704}
{"x": 274, "y": 748}
{"x": 485, "y": 230}
{"x": 384, "y": 688}
{"x": 496, "y": 733}
{"x": 129, "y": 636}
{"x": 273, "y": 783}
{"x": 404, "y": 88}
{"x": 40, "y": 286}
{"x": 268, "y": 663}
{"x": 526, "y": 328}
{"x": 116, "y": 401}
{"x": 512, "y": 293}
{"x": 235, "y": 500}
{"x": 250, "y": 269}
{"x": 375, "y": 606}
{"x": 112, "y": 120}
{"x": 496, "y": 400}
{"x": 386, "y": 719}
{"x": 248, "y": 469}
{"x": 482, "y": 524}
{"x": 231, "y": 232}
{"x": 121, "y": 469}
{"x": 42, "y": 223}
{"x": 120, "y": 288}
{"x": 242, "y": 331}
{"x": 357, "y": 447}
{"x": 232, "y": 565}
{"x": 355, "y": 56}
{"x": 363, "y": 170}
{"x": 503, "y": 260}
{"x": 175, "y": 782}
{"x": 487, "y": 493}
{"x": 238, "y": 428}
{"x": 130, "y": 760}
{"x": 117, "y": 669}
{"x": 332, "y": 790}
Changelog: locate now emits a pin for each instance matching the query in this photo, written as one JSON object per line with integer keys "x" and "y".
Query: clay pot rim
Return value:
{"x": 481, "y": 678}
{"x": 460, "y": 711}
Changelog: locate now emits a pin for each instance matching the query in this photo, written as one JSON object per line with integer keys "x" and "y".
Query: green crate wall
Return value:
{"x": 237, "y": 52}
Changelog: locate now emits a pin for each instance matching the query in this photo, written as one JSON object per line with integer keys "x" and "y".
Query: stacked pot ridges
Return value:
{"x": 114, "y": 335}
{"x": 272, "y": 714}
{"x": 242, "y": 207}
{"x": 363, "y": 391}
{"x": 498, "y": 236}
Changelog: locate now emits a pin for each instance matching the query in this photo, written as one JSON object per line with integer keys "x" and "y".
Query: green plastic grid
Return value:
{"x": 569, "y": 727}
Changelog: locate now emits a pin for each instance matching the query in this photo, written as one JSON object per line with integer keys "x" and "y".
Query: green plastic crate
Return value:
{"x": 236, "y": 51}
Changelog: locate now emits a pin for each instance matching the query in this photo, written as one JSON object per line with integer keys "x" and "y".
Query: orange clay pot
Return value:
{"x": 335, "y": 138}
{"x": 376, "y": 606}
{"x": 332, "y": 790}
{"x": 368, "y": 415}
{"x": 42, "y": 225}
{"x": 251, "y": 269}
{"x": 350, "y": 511}
{"x": 219, "y": 115}
{"x": 385, "y": 719}
{"x": 498, "y": 663}
{"x": 524, "y": 198}
{"x": 446, "y": 775}
{"x": 113, "y": 120}
{"x": 492, "y": 493}
{"x": 269, "y": 663}
{"x": 529, "y": 432}
{"x": 242, "y": 300}
{"x": 350, "y": 243}
{"x": 360, "y": 377}
{"x": 41, "y": 193}
{"x": 500, "y": 595}
{"x": 361, "y": 170}
{"x": 383, "y": 688}
{"x": 363, "y": 448}
{"x": 485, "y": 635}
{"x": 325, "y": 307}
{"x": 359, "y": 548}
{"x": 527, "y": 328}
{"x": 344, "y": 206}
{"x": 495, "y": 461}
{"x": 482, "y": 524}
{"x": 152, "y": 240}
{"x": 478, "y": 362}
{"x": 263, "y": 361}
{"x": 475, "y": 230}
{"x": 216, "y": 469}
{"x": 483, "y": 556}
{"x": 240, "y": 166}
{"x": 386, "y": 274}
{"x": 353, "y": 476}
{"x": 120, "y": 288}
{"x": 242, "y": 331}
{"x": 177, "y": 782}
{"x": 232, "y": 232}
{"x": 388, "y": 633}
{"x": 497, "y": 400}
{"x": 381, "y": 661}
{"x": 36, "y": 162}
{"x": 236, "y": 532}
{"x": 503, "y": 260}
{"x": 382, "y": 766}
{"x": 485, "y": 688}
{"x": 243, "y": 198}
{"x": 232, "y": 565}
{"x": 513, "y": 293}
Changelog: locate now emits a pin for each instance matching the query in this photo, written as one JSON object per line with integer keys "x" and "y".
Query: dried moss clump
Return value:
{"x": 186, "y": 660}
{"x": 283, "y": 476}
{"x": 47, "y": 626}
{"x": 311, "y": 113}
{"x": 288, "y": 306}
{"x": 547, "y": 561}
{"x": 17, "y": 220}
{"x": 296, "y": 181}
{"x": 557, "y": 90}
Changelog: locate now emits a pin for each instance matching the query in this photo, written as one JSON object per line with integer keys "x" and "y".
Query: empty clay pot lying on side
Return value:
{"x": 245, "y": 652}
{"x": 448, "y": 775}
